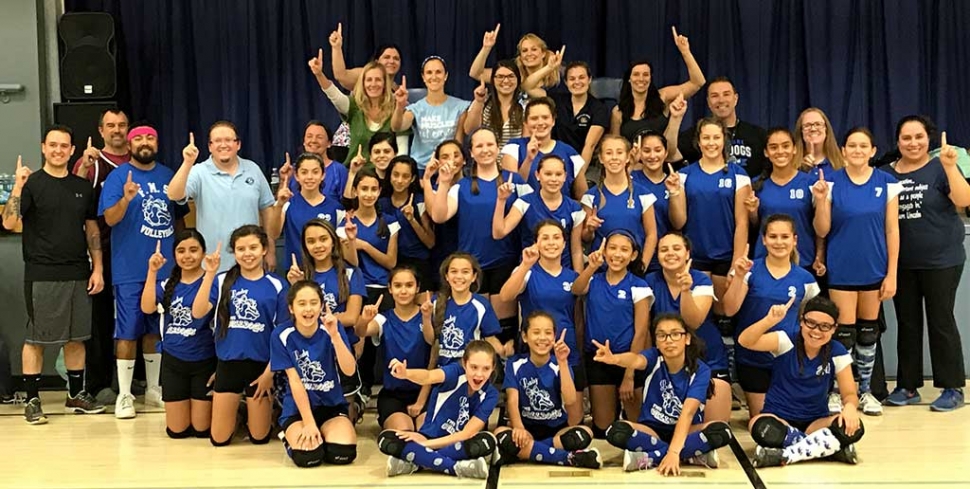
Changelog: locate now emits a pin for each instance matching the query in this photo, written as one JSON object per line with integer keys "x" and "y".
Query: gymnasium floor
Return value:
{"x": 906, "y": 447}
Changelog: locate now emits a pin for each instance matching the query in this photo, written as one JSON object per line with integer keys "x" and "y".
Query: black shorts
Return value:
{"x": 494, "y": 278}
{"x": 542, "y": 432}
{"x": 664, "y": 432}
{"x": 719, "y": 268}
{"x": 857, "y": 288}
{"x": 754, "y": 380}
{"x": 182, "y": 380}
{"x": 234, "y": 376}
{"x": 598, "y": 373}
{"x": 799, "y": 425}
{"x": 390, "y": 402}
{"x": 350, "y": 383}
{"x": 721, "y": 374}
{"x": 579, "y": 377}
{"x": 421, "y": 267}
{"x": 321, "y": 414}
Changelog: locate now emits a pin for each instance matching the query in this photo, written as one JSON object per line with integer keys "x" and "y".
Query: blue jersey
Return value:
{"x": 826, "y": 166}
{"x": 375, "y": 275}
{"x": 710, "y": 210}
{"x": 149, "y": 218}
{"x": 664, "y": 302}
{"x": 473, "y": 320}
{"x": 333, "y": 184}
{"x": 539, "y": 388}
{"x": 623, "y": 211}
{"x": 609, "y": 311}
{"x": 296, "y": 213}
{"x": 794, "y": 199}
{"x": 534, "y": 210}
{"x": 799, "y": 392}
{"x": 408, "y": 243}
{"x": 518, "y": 148}
{"x": 401, "y": 339}
{"x": 314, "y": 359}
{"x": 856, "y": 253}
{"x": 764, "y": 291}
{"x": 661, "y": 208}
{"x": 183, "y": 336}
{"x": 475, "y": 217}
{"x": 331, "y": 292}
{"x": 664, "y": 393}
{"x": 553, "y": 294}
{"x": 450, "y": 406}
{"x": 255, "y": 308}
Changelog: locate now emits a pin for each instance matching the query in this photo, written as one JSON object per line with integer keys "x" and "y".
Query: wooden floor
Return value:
{"x": 906, "y": 447}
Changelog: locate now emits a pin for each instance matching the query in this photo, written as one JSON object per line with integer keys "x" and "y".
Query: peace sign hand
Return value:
{"x": 156, "y": 261}
{"x": 316, "y": 64}
{"x": 603, "y": 353}
{"x": 211, "y": 261}
{"x": 778, "y": 312}
{"x": 337, "y": 37}
{"x": 948, "y": 154}
{"x": 562, "y": 349}
{"x": 488, "y": 40}
{"x": 190, "y": 153}
{"x": 20, "y": 174}
{"x": 131, "y": 189}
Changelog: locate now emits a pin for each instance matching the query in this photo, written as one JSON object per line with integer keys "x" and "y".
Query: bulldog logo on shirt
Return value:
{"x": 155, "y": 212}
{"x": 310, "y": 370}
{"x": 539, "y": 399}
{"x": 245, "y": 307}
{"x": 452, "y": 337}
{"x": 181, "y": 314}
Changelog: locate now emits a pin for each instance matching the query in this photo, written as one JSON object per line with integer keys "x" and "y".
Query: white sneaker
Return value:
{"x": 869, "y": 405}
{"x": 476, "y": 468}
{"x": 634, "y": 461}
{"x": 835, "y": 403}
{"x": 153, "y": 397}
{"x": 396, "y": 466}
{"x": 708, "y": 459}
{"x": 125, "y": 407}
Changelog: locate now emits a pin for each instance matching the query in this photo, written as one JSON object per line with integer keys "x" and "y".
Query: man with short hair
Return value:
{"x": 58, "y": 212}
{"x": 316, "y": 140}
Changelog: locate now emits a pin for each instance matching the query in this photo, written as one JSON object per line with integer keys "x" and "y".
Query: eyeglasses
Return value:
{"x": 823, "y": 327}
{"x": 813, "y": 125}
{"x": 672, "y": 336}
{"x": 224, "y": 141}
{"x": 503, "y": 77}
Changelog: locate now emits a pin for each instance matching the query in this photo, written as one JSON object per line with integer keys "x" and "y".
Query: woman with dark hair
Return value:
{"x": 581, "y": 118}
{"x": 534, "y": 56}
{"x": 931, "y": 260}
{"x": 500, "y": 107}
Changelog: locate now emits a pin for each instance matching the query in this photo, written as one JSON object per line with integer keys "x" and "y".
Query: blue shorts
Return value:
{"x": 130, "y": 323}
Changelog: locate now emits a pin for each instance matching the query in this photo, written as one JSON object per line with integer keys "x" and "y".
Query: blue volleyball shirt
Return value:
{"x": 623, "y": 211}
{"x": 553, "y": 294}
{"x": 183, "y": 336}
{"x": 474, "y": 217}
{"x": 473, "y": 320}
{"x": 609, "y": 311}
{"x": 149, "y": 218}
{"x": 794, "y": 199}
{"x": 296, "y": 212}
{"x": 450, "y": 406}
{"x": 331, "y": 292}
{"x": 334, "y": 181}
{"x": 661, "y": 208}
{"x": 764, "y": 291}
{"x": 664, "y": 392}
{"x": 539, "y": 388}
{"x": 255, "y": 308}
{"x": 534, "y": 210}
{"x": 856, "y": 253}
{"x": 408, "y": 243}
{"x": 518, "y": 148}
{"x": 315, "y": 361}
{"x": 375, "y": 275}
{"x": 800, "y": 392}
{"x": 401, "y": 339}
{"x": 710, "y": 210}
{"x": 826, "y": 166}
{"x": 664, "y": 302}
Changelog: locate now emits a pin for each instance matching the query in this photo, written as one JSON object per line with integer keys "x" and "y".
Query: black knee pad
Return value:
{"x": 480, "y": 445}
{"x": 844, "y": 439}
{"x": 769, "y": 432}
{"x": 507, "y": 446}
{"x": 846, "y": 334}
{"x": 599, "y": 433}
{"x": 260, "y": 441}
{"x": 619, "y": 433}
{"x": 390, "y": 444}
{"x": 201, "y": 434}
{"x": 575, "y": 438}
{"x": 223, "y": 443}
{"x": 186, "y": 433}
{"x": 868, "y": 333}
{"x": 339, "y": 454}
{"x": 718, "y": 434}
{"x": 308, "y": 458}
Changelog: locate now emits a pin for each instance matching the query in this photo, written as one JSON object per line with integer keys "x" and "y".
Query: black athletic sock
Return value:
{"x": 75, "y": 382}
{"x": 32, "y": 385}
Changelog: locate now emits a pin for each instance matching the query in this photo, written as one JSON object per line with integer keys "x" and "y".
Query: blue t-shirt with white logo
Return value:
{"x": 664, "y": 302}
{"x": 664, "y": 392}
{"x": 314, "y": 360}
{"x": 473, "y": 320}
{"x": 183, "y": 336}
{"x": 255, "y": 308}
{"x": 296, "y": 212}
{"x": 404, "y": 340}
{"x": 799, "y": 390}
{"x": 553, "y": 294}
{"x": 450, "y": 406}
{"x": 539, "y": 388}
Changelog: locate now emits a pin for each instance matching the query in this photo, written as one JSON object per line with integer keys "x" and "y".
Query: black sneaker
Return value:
{"x": 587, "y": 459}
{"x": 768, "y": 457}
{"x": 847, "y": 455}
{"x": 83, "y": 403}
{"x": 33, "y": 413}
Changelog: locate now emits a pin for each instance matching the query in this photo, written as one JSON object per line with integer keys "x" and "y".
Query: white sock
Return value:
{"x": 153, "y": 364}
{"x": 819, "y": 444}
{"x": 126, "y": 370}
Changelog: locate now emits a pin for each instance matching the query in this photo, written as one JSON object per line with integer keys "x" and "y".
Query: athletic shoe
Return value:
{"x": 107, "y": 396}
{"x": 869, "y": 405}
{"x": 846, "y": 455}
{"x": 634, "y": 461}
{"x": 768, "y": 457}
{"x": 83, "y": 403}
{"x": 708, "y": 459}
{"x": 397, "y": 466}
{"x": 949, "y": 400}
{"x": 587, "y": 459}
{"x": 476, "y": 468}
{"x": 125, "y": 407}
{"x": 33, "y": 413}
{"x": 835, "y": 403}
{"x": 153, "y": 397}
{"x": 903, "y": 397}
{"x": 15, "y": 398}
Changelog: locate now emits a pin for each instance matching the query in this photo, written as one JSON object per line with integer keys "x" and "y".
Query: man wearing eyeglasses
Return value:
{"x": 228, "y": 191}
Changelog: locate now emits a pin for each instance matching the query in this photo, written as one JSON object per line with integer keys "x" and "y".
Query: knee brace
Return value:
{"x": 718, "y": 434}
{"x": 619, "y": 434}
{"x": 223, "y": 443}
{"x": 187, "y": 432}
{"x": 846, "y": 334}
{"x": 201, "y": 434}
{"x": 844, "y": 439}
{"x": 480, "y": 445}
{"x": 389, "y": 443}
{"x": 868, "y": 333}
{"x": 308, "y": 458}
{"x": 339, "y": 454}
{"x": 575, "y": 438}
{"x": 769, "y": 432}
{"x": 260, "y": 441}
{"x": 506, "y": 446}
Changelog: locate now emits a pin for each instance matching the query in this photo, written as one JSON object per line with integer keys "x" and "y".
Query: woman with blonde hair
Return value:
{"x": 816, "y": 146}
{"x": 534, "y": 55}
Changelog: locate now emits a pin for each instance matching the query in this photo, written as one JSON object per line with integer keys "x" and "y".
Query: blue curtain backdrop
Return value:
{"x": 183, "y": 64}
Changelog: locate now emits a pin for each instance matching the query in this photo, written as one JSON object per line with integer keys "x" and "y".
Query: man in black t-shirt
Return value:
{"x": 747, "y": 145}
{"x": 60, "y": 232}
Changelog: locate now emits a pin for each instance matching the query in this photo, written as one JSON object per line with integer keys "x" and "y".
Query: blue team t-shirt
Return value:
{"x": 314, "y": 360}
{"x": 609, "y": 311}
{"x": 623, "y": 211}
{"x": 450, "y": 406}
{"x": 664, "y": 302}
{"x": 408, "y": 243}
{"x": 256, "y": 307}
{"x": 401, "y": 339}
{"x": 664, "y": 392}
{"x": 793, "y": 199}
{"x": 296, "y": 213}
{"x": 518, "y": 148}
{"x": 661, "y": 208}
{"x": 534, "y": 210}
{"x": 553, "y": 294}
{"x": 333, "y": 184}
{"x": 710, "y": 210}
{"x": 183, "y": 336}
{"x": 474, "y": 217}
{"x": 539, "y": 388}
{"x": 375, "y": 275}
{"x": 473, "y": 320}
{"x": 800, "y": 392}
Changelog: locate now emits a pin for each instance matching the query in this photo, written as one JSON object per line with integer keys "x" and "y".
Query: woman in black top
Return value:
{"x": 931, "y": 260}
{"x": 582, "y": 118}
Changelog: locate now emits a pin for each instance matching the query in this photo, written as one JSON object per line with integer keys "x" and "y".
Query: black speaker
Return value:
{"x": 87, "y": 56}
{"x": 82, "y": 117}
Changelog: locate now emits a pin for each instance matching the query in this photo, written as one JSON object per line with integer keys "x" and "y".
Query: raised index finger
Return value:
{"x": 158, "y": 247}
{"x": 89, "y": 141}
{"x": 191, "y": 139}
{"x": 562, "y": 336}
{"x": 673, "y": 29}
{"x": 497, "y": 27}
{"x": 411, "y": 200}
{"x": 20, "y": 161}
{"x": 340, "y": 28}
{"x": 129, "y": 176}
{"x": 791, "y": 301}
{"x": 943, "y": 140}
{"x": 293, "y": 259}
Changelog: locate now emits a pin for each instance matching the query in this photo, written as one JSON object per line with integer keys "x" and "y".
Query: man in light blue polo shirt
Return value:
{"x": 228, "y": 191}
